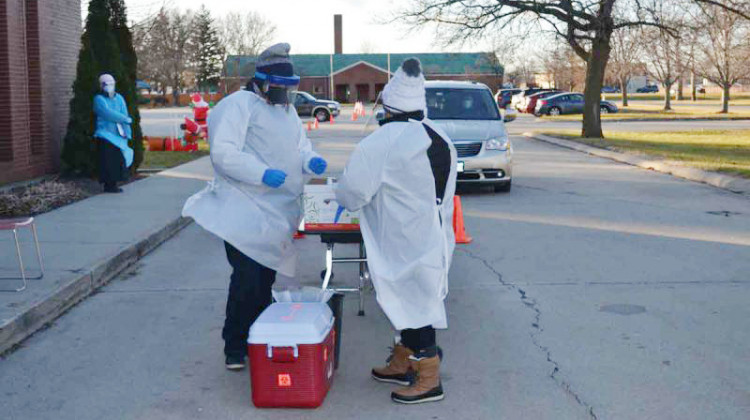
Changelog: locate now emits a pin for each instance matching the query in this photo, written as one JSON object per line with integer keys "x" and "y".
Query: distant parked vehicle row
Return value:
{"x": 648, "y": 89}
{"x": 610, "y": 89}
{"x": 568, "y": 103}
{"x": 504, "y": 96}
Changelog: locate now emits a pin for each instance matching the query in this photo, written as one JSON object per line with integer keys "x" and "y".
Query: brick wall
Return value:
{"x": 39, "y": 42}
{"x": 61, "y": 29}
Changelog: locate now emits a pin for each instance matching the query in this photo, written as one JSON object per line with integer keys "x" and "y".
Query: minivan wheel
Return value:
{"x": 604, "y": 110}
{"x": 502, "y": 186}
{"x": 554, "y": 111}
{"x": 322, "y": 115}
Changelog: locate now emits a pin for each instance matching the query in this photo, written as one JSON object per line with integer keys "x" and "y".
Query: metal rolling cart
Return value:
{"x": 332, "y": 234}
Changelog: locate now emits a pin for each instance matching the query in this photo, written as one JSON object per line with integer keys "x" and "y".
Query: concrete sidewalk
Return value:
{"x": 86, "y": 244}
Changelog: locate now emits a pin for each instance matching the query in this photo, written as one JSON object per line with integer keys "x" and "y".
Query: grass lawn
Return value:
{"x": 164, "y": 160}
{"x": 654, "y": 112}
{"x": 739, "y": 98}
{"x": 726, "y": 151}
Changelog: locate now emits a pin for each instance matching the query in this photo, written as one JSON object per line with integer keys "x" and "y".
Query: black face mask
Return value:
{"x": 277, "y": 95}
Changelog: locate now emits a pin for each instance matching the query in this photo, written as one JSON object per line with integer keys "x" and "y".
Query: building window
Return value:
{"x": 317, "y": 89}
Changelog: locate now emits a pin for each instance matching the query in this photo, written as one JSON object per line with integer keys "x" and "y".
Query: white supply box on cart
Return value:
{"x": 320, "y": 206}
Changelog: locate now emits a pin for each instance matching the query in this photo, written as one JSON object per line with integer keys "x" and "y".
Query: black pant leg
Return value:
{"x": 419, "y": 339}
{"x": 249, "y": 294}
{"x": 111, "y": 164}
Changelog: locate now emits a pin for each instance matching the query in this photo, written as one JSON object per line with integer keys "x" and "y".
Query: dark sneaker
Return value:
{"x": 235, "y": 362}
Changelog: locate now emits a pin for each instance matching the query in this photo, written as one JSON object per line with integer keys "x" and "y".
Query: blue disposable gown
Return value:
{"x": 111, "y": 112}
{"x": 248, "y": 136}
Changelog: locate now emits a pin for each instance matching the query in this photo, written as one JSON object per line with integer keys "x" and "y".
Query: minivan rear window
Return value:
{"x": 461, "y": 104}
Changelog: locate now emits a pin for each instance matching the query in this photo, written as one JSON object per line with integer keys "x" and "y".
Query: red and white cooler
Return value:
{"x": 291, "y": 353}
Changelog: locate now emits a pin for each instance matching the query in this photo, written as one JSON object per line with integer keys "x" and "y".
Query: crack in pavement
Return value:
{"x": 531, "y": 304}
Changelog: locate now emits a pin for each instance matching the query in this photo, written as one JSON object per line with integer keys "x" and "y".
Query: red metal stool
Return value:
{"x": 14, "y": 225}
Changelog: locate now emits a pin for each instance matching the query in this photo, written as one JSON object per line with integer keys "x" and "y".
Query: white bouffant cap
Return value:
{"x": 106, "y": 79}
{"x": 405, "y": 92}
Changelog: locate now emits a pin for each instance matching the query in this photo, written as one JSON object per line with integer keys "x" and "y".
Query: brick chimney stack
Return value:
{"x": 337, "y": 35}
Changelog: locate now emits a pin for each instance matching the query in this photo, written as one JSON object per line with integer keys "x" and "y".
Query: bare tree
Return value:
{"x": 587, "y": 25}
{"x": 246, "y": 33}
{"x": 724, "y": 46}
{"x": 367, "y": 47}
{"x": 661, "y": 48}
{"x": 563, "y": 67}
{"x": 625, "y": 58}
{"x": 164, "y": 49}
{"x": 522, "y": 71}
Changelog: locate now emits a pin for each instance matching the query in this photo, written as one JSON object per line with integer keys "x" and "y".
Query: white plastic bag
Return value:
{"x": 302, "y": 294}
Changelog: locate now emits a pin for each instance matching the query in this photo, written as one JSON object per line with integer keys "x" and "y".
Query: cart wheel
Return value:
{"x": 323, "y": 275}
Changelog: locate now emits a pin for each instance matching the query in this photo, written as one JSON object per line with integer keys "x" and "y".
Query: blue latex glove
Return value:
{"x": 338, "y": 214}
{"x": 318, "y": 165}
{"x": 274, "y": 178}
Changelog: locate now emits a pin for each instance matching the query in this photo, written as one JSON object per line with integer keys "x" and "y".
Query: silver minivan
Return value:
{"x": 467, "y": 112}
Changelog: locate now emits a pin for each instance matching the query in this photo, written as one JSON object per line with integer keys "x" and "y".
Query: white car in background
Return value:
{"x": 467, "y": 112}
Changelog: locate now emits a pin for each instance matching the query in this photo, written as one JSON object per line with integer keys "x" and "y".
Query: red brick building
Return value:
{"x": 39, "y": 43}
{"x": 360, "y": 77}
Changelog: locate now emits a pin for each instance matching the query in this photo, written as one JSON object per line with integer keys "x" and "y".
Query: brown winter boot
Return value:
{"x": 427, "y": 387}
{"x": 398, "y": 370}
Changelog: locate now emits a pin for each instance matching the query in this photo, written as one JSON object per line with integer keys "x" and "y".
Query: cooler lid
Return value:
{"x": 291, "y": 323}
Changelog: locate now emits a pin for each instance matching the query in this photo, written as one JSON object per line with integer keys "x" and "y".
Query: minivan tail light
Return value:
{"x": 543, "y": 102}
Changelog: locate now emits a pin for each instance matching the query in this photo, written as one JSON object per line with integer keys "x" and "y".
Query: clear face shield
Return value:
{"x": 278, "y": 90}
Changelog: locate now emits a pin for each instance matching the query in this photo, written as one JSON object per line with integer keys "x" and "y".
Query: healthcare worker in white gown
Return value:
{"x": 260, "y": 155}
{"x": 402, "y": 178}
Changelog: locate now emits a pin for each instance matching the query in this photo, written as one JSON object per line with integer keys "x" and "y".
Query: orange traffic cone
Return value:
{"x": 354, "y": 116}
{"x": 309, "y": 126}
{"x": 458, "y": 222}
{"x": 315, "y": 125}
{"x": 331, "y": 120}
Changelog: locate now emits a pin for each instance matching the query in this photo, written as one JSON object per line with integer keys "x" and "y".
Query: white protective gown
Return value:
{"x": 409, "y": 238}
{"x": 248, "y": 136}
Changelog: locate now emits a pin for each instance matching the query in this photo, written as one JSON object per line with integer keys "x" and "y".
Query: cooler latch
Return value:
{"x": 282, "y": 354}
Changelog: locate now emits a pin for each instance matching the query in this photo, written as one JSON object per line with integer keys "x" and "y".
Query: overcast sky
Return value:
{"x": 308, "y": 24}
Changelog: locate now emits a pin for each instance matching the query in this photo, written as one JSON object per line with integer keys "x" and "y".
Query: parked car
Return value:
{"x": 610, "y": 89}
{"x": 531, "y": 101}
{"x": 467, "y": 112}
{"x": 503, "y": 96}
{"x": 568, "y": 103}
{"x": 648, "y": 89}
{"x": 516, "y": 101}
{"x": 310, "y": 106}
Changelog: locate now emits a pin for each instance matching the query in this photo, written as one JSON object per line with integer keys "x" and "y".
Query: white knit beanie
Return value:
{"x": 405, "y": 92}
